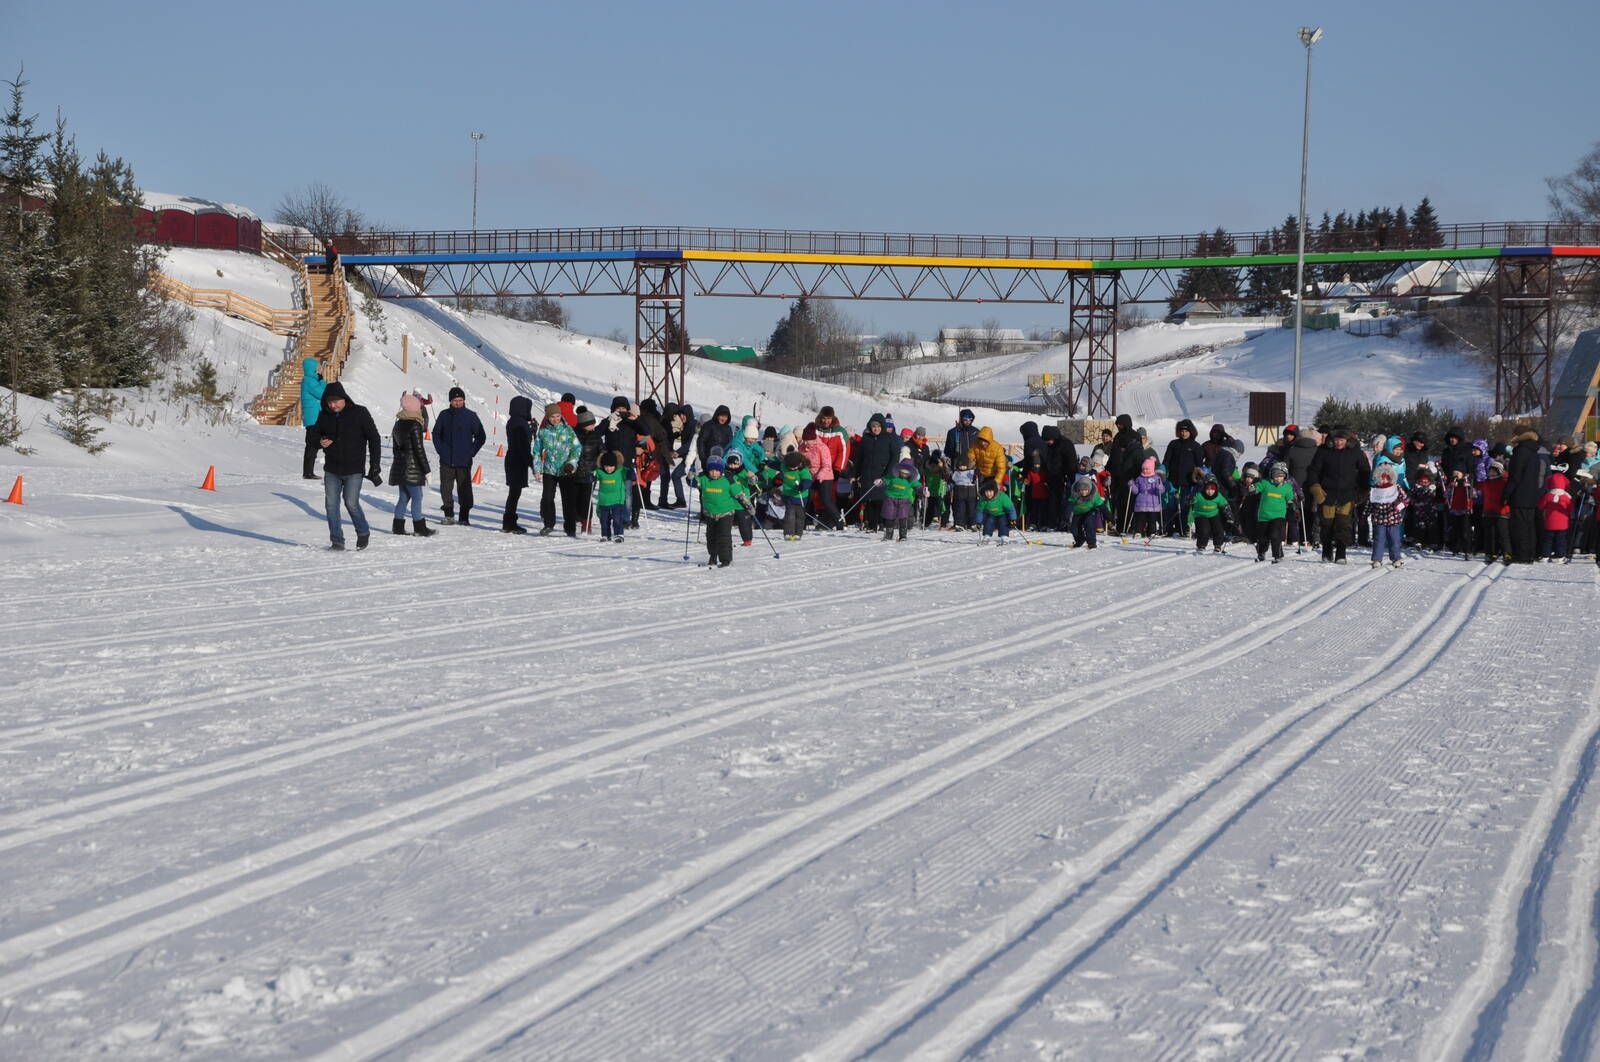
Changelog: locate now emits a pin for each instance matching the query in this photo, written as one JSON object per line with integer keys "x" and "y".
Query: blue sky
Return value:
{"x": 1061, "y": 118}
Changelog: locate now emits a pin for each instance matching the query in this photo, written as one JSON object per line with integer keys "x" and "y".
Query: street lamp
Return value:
{"x": 1308, "y": 37}
{"x": 476, "y": 137}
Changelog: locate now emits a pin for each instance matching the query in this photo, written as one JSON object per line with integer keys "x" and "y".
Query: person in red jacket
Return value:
{"x": 1556, "y": 506}
{"x": 1494, "y": 529}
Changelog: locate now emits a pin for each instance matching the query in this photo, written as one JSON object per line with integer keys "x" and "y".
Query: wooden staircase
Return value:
{"x": 326, "y": 337}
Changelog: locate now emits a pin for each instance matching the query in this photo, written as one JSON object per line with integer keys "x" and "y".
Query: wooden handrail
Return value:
{"x": 232, "y": 303}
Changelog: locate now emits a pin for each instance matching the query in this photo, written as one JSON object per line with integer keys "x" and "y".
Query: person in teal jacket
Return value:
{"x": 311, "y": 388}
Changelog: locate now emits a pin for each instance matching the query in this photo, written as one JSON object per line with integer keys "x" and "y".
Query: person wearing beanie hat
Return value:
{"x": 899, "y": 488}
{"x": 518, "y": 460}
{"x": 1386, "y": 506}
{"x": 1123, "y": 461}
{"x": 959, "y": 439}
{"x": 1274, "y": 498}
{"x": 1494, "y": 520}
{"x": 569, "y": 411}
{"x": 876, "y": 457}
{"x": 995, "y": 511}
{"x": 347, "y": 436}
{"x": 720, "y": 498}
{"x": 613, "y": 480}
{"x": 619, "y": 431}
{"x": 590, "y": 446}
{"x": 794, "y": 484}
{"x": 1146, "y": 491}
{"x": 556, "y": 452}
{"x": 409, "y": 467}
{"x": 1088, "y": 504}
{"x": 734, "y": 470}
{"x": 458, "y": 435}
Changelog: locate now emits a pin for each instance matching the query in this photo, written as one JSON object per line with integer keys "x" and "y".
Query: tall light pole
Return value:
{"x": 1308, "y": 37}
{"x": 476, "y": 138}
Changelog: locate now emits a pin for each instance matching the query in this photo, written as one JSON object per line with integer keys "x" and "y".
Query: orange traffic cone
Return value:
{"x": 477, "y": 476}
{"x": 211, "y": 479}
{"x": 501, "y": 452}
{"x": 15, "y": 497}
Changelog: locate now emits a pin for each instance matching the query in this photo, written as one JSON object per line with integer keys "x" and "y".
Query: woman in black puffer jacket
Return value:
{"x": 409, "y": 470}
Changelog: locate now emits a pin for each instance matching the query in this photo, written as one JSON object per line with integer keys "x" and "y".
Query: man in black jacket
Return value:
{"x": 350, "y": 442}
{"x": 1183, "y": 459}
{"x": 1060, "y": 465}
{"x": 1524, "y": 482}
{"x": 620, "y": 433}
{"x": 1337, "y": 479}
{"x": 715, "y": 434}
{"x": 1127, "y": 454}
{"x": 457, "y": 437}
{"x": 959, "y": 439}
{"x": 1457, "y": 456}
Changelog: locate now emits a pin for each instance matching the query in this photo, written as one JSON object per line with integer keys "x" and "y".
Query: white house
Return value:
{"x": 954, "y": 342}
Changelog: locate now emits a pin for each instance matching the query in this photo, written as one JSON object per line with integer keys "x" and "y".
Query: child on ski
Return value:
{"x": 1494, "y": 534}
{"x": 612, "y": 481}
{"x": 936, "y": 477}
{"x": 1146, "y": 493}
{"x": 964, "y": 497}
{"x": 794, "y": 483}
{"x": 1424, "y": 503}
{"x": 1386, "y": 508}
{"x": 1088, "y": 505}
{"x": 1556, "y": 505}
{"x": 995, "y": 510}
{"x": 734, "y": 471}
{"x": 1249, "y": 502}
{"x": 1208, "y": 512}
{"x": 898, "y": 491}
{"x": 1274, "y": 499}
{"x": 720, "y": 498}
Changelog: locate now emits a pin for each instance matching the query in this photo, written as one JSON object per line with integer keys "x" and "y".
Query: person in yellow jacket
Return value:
{"x": 989, "y": 457}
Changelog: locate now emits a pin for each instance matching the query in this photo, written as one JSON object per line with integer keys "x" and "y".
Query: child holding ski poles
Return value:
{"x": 720, "y": 498}
{"x": 898, "y": 492}
{"x": 1272, "y": 512}
{"x": 794, "y": 484}
{"x": 734, "y": 471}
{"x": 1209, "y": 513}
{"x": 1145, "y": 495}
{"x": 995, "y": 510}
{"x": 1088, "y": 506}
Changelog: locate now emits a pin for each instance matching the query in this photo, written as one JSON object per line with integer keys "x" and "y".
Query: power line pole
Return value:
{"x": 1308, "y": 37}
{"x": 476, "y": 139}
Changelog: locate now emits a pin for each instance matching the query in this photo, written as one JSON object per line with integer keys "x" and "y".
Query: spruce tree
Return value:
{"x": 27, "y": 353}
{"x": 1425, "y": 225}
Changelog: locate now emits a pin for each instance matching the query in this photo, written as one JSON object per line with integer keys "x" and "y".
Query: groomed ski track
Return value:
{"x": 533, "y": 798}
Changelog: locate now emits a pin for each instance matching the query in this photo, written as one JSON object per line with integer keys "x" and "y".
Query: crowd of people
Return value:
{"x": 1513, "y": 501}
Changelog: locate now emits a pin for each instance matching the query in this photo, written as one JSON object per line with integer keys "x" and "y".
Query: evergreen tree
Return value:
{"x": 1424, "y": 225}
{"x": 1216, "y": 285}
{"x": 26, "y": 351}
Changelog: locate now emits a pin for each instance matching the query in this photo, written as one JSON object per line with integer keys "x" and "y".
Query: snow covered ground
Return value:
{"x": 551, "y": 798}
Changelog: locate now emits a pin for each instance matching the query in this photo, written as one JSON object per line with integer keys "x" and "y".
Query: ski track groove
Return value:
{"x": 976, "y": 1023}
{"x": 169, "y": 786}
{"x": 30, "y": 734}
{"x": 398, "y": 823}
{"x": 144, "y": 616}
{"x": 495, "y": 978}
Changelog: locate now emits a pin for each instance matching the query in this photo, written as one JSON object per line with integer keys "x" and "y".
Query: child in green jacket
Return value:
{"x": 611, "y": 481}
{"x": 1209, "y": 513}
{"x": 995, "y": 511}
{"x": 1087, "y": 507}
{"x": 1272, "y": 513}
{"x": 794, "y": 483}
{"x": 936, "y": 477}
{"x": 899, "y": 490}
{"x": 720, "y": 498}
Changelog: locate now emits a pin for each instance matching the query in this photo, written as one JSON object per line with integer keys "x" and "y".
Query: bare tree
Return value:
{"x": 319, "y": 210}
{"x": 1575, "y": 196}
{"x": 897, "y": 346}
{"x": 989, "y": 341}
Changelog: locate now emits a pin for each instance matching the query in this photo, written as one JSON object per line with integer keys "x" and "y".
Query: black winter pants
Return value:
{"x": 458, "y": 478}
{"x": 1524, "y": 535}
{"x": 1208, "y": 530}
{"x": 568, "y": 487}
{"x": 794, "y": 517}
{"x": 308, "y": 467}
{"x": 1270, "y": 533}
{"x": 509, "y": 518}
{"x": 827, "y": 503}
{"x": 719, "y": 540}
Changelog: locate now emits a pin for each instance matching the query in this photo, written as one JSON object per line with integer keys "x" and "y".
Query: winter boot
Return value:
{"x": 465, "y": 518}
{"x": 337, "y": 545}
{"x": 1396, "y": 564}
{"x": 399, "y": 525}
{"x": 888, "y": 536}
{"x": 449, "y": 519}
{"x": 362, "y": 540}
{"x": 546, "y": 532}
{"x": 421, "y": 529}
{"x": 902, "y": 534}
{"x": 1377, "y": 564}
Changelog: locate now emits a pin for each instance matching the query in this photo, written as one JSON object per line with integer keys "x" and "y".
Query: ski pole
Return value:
{"x": 762, "y": 528}
{"x": 588, "y": 521}
{"x": 1127, "y": 505}
{"x": 845, "y": 519}
{"x": 1300, "y": 546}
{"x": 688, "y": 522}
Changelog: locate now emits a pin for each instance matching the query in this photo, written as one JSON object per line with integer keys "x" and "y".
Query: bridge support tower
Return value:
{"x": 1092, "y": 344}
{"x": 1524, "y": 332}
{"x": 660, "y": 339}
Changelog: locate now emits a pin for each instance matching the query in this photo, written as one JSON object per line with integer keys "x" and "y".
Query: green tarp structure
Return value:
{"x": 726, "y": 353}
